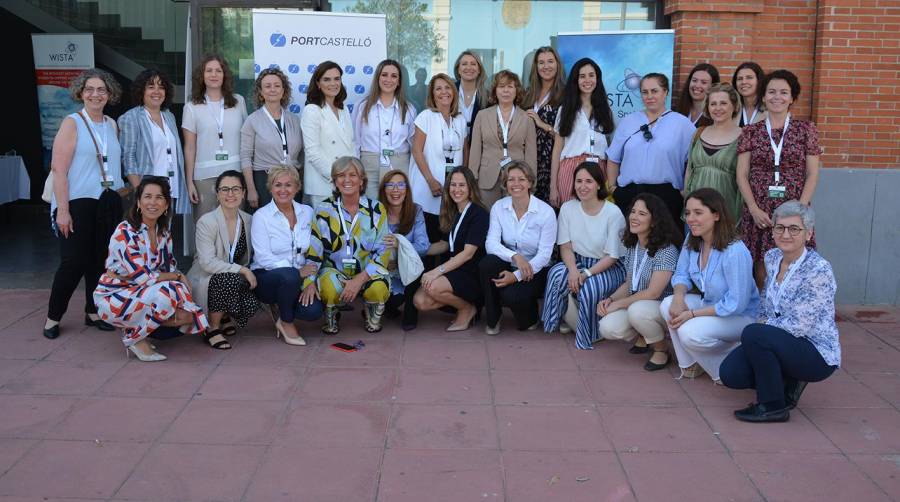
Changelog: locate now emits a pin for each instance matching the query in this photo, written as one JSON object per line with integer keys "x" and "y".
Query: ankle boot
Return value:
{"x": 374, "y": 313}
{"x": 332, "y": 316}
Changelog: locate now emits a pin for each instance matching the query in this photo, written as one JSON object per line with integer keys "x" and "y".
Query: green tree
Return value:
{"x": 411, "y": 39}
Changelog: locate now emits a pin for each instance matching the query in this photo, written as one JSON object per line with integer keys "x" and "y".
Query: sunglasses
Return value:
{"x": 646, "y": 130}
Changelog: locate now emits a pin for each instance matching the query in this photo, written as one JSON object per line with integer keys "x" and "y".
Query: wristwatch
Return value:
{"x": 587, "y": 272}
{"x": 441, "y": 268}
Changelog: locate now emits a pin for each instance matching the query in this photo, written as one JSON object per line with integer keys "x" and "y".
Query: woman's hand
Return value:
{"x": 603, "y": 306}
{"x": 64, "y": 222}
{"x": 250, "y": 276}
{"x": 575, "y": 280}
{"x": 351, "y": 289}
{"x": 505, "y": 278}
{"x": 308, "y": 270}
{"x": 390, "y": 241}
{"x": 252, "y": 197}
{"x": 192, "y": 192}
{"x": 554, "y": 195}
{"x": 309, "y": 295}
{"x": 429, "y": 277}
{"x": 680, "y": 319}
{"x": 435, "y": 186}
{"x": 538, "y": 122}
{"x": 761, "y": 219}
{"x": 677, "y": 306}
{"x": 524, "y": 267}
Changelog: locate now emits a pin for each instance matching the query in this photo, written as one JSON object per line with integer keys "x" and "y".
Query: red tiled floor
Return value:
{"x": 124, "y": 419}
{"x": 841, "y": 390}
{"x": 883, "y": 469}
{"x": 539, "y": 387}
{"x": 886, "y": 385}
{"x": 541, "y": 428}
{"x": 523, "y": 353}
{"x": 12, "y": 450}
{"x": 62, "y": 378}
{"x": 32, "y": 416}
{"x": 859, "y": 430}
{"x": 265, "y": 351}
{"x": 444, "y": 354}
{"x": 796, "y": 435}
{"x": 91, "y": 345}
{"x": 799, "y": 477}
{"x": 874, "y": 356}
{"x": 439, "y": 386}
{"x": 320, "y": 424}
{"x": 572, "y": 476}
{"x": 11, "y": 368}
{"x": 157, "y": 380}
{"x": 250, "y": 382}
{"x": 426, "y": 426}
{"x": 211, "y": 421}
{"x": 440, "y": 476}
{"x": 656, "y": 429}
{"x": 349, "y": 384}
{"x": 630, "y": 388}
{"x": 381, "y": 351}
{"x": 687, "y": 476}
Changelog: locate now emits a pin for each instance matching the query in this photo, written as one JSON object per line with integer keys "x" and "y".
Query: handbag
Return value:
{"x": 47, "y": 194}
{"x": 409, "y": 263}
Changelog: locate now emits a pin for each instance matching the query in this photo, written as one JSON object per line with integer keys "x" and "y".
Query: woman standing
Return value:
{"x": 327, "y": 131}
{"x": 713, "y": 159}
{"x": 778, "y": 159}
{"x": 650, "y": 148}
{"x": 142, "y": 290}
{"x": 150, "y": 142}
{"x": 86, "y": 163}
{"x": 383, "y": 125}
{"x": 221, "y": 276}
{"x": 470, "y": 77}
{"x": 407, "y": 219}
{"x": 590, "y": 245}
{"x": 439, "y": 146}
{"x": 502, "y": 134}
{"x": 455, "y": 282}
{"x": 582, "y": 126}
{"x": 542, "y": 100}
{"x": 211, "y": 123}
{"x": 693, "y": 94}
{"x": 748, "y": 79}
{"x": 271, "y": 135}
{"x": 519, "y": 244}
{"x": 706, "y": 327}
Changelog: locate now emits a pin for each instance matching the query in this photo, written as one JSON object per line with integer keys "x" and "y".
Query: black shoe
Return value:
{"x": 759, "y": 413}
{"x": 52, "y": 333}
{"x": 792, "y": 391}
{"x": 636, "y": 349}
{"x": 651, "y": 366}
{"x": 99, "y": 324}
{"x": 409, "y": 327}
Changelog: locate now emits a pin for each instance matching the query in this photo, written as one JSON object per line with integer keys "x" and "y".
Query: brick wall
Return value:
{"x": 846, "y": 54}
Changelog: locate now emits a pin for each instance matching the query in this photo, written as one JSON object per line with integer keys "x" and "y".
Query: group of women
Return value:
{"x": 479, "y": 191}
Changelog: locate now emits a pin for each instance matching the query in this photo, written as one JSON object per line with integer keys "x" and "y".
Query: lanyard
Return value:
{"x": 237, "y": 237}
{"x": 387, "y": 132}
{"x": 456, "y": 228}
{"x": 344, "y": 228}
{"x": 638, "y": 270}
{"x": 777, "y": 148}
{"x": 537, "y": 105}
{"x": 774, "y": 292}
{"x": 592, "y": 133}
{"x": 220, "y": 121}
{"x": 448, "y": 146}
{"x": 101, "y": 141}
{"x": 504, "y": 129}
{"x": 744, "y": 115}
{"x": 169, "y": 142}
{"x": 282, "y": 132}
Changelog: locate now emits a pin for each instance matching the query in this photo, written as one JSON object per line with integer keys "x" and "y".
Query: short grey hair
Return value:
{"x": 279, "y": 171}
{"x": 796, "y": 208}
{"x": 114, "y": 90}
{"x": 343, "y": 164}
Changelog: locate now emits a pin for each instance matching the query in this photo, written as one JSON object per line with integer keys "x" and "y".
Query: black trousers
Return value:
{"x": 405, "y": 300}
{"x": 82, "y": 254}
{"x": 520, "y": 297}
{"x": 768, "y": 359}
{"x": 433, "y": 229}
{"x": 669, "y": 194}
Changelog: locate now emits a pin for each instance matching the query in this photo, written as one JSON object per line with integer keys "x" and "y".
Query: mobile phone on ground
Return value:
{"x": 343, "y": 347}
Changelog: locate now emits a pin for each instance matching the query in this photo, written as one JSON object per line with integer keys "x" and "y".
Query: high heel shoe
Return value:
{"x": 290, "y": 340}
{"x": 147, "y": 358}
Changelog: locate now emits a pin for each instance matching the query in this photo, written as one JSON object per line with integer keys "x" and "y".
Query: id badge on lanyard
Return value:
{"x": 777, "y": 190}
{"x": 103, "y": 145}
{"x": 386, "y": 153}
{"x": 348, "y": 263}
{"x": 221, "y": 153}
{"x": 281, "y": 128}
{"x": 592, "y": 157}
{"x": 504, "y": 135}
{"x": 456, "y": 228}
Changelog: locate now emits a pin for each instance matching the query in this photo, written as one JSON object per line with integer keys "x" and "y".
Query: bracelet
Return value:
{"x": 587, "y": 272}
{"x": 692, "y": 314}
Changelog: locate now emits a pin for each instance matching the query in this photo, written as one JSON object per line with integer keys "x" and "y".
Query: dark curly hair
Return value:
{"x": 314, "y": 94}
{"x": 147, "y": 77}
{"x": 258, "y": 98}
{"x": 789, "y": 77}
{"x": 134, "y": 213}
{"x": 662, "y": 227}
{"x": 198, "y": 86}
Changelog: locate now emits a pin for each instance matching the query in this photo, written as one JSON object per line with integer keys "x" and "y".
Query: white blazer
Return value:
{"x": 325, "y": 139}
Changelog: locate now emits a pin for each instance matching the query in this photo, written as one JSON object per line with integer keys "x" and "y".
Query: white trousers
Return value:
{"x": 704, "y": 340}
{"x": 641, "y": 318}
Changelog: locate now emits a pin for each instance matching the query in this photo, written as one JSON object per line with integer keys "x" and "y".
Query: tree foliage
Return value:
{"x": 411, "y": 38}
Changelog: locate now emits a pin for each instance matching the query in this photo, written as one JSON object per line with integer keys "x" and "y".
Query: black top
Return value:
{"x": 473, "y": 230}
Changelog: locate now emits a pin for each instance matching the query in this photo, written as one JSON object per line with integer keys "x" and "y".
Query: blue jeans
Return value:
{"x": 282, "y": 286}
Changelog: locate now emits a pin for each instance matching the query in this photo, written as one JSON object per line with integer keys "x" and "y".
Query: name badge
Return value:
{"x": 448, "y": 168}
{"x": 593, "y": 159}
{"x": 504, "y": 161}
{"x": 777, "y": 192}
{"x": 387, "y": 152}
{"x": 221, "y": 154}
{"x": 106, "y": 184}
{"x": 171, "y": 174}
{"x": 348, "y": 266}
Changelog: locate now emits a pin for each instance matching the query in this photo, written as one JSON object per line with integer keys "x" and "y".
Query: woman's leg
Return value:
{"x": 375, "y": 294}
{"x": 522, "y": 299}
{"x": 710, "y": 339}
{"x": 279, "y": 286}
{"x": 488, "y": 269}
{"x": 76, "y": 254}
{"x": 615, "y": 326}
{"x": 410, "y": 312}
{"x": 555, "y": 296}
{"x": 595, "y": 288}
{"x": 440, "y": 294}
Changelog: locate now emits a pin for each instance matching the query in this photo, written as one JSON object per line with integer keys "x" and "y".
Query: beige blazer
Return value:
{"x": 212, "y": 252}
{"x": 487, "y": 149}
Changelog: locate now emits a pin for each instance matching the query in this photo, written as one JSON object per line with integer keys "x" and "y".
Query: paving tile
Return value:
{"x": 80, "y": 469}
{"x": 687, "y": 476}
{"x": 883, "y": 469}
{"x": 91, "y": 345}
{"x": 167, "y": 379}
{"x": 841, "y": 390}
{"x": 118, "y": 419}
{"x": 31, "y": 347}
{"x": 636, "y": 388}
{"x": 440, "y": 476}
{"x": 443, "y": 386}
{"x": 12, "y": 450}
{"x": 608, "y": 356}
{"x": 859, "y": 430}
{"x": 62, "y": 378}
{"x": 658, "y": 429}
{"x": 189, "y": 349}
{"x": 32, "y": 416}
{"x": 854, "y": 334}
{"x": 335, "y": 425}
{"x": 551, "y": 428}
{"x": 11, "y": 368}
{"x": 875, "y": 356}
{"x": 703, "y": 392}
{"x": 572, "y": 476}
{"x": 21, "y": 303}
{"x": 539, "y": 387}
{"x": 796, "y": 435}
{"x": 529, "y": 354}
{"x": 444, "y": 354}
{"x": 799, "y": 477}
{"x": 381, "y": 351}
{"x": 211, "y": 421}
{"x": 886, "y": 385}
{"x": 265, "y": 351}
{"x": 349, "y": 384}
{"x": 193, "y": 472}
{"x": 297, "y": 472}
{"x": 442, "y": 426}
{"x": 250, "y": 383}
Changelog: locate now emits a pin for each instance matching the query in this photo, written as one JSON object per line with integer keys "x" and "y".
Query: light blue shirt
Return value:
{"x": 726, "y": 282}
{"x": 659, "y": 160}
{"x": 418, "y": 237}
{"x": 84, "y": 170}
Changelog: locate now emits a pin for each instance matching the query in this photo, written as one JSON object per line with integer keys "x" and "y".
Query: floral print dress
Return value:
{"x": 547, "y": 113}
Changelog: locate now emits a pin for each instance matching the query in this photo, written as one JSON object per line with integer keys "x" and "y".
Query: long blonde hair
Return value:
{"x": 375, "y": 91}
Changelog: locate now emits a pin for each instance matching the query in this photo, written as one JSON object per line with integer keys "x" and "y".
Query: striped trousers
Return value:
{"x": 594, "y": 289}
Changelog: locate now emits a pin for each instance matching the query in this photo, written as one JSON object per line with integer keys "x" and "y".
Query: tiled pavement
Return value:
{"x": 424, "y": 416}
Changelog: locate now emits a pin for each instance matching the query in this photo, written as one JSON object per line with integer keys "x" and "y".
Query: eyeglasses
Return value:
{"x": 400, "y": 185}
{"x": 235, "y": 190}
{"x": 794, "y": 230}
{"x": 100, "y": 91}
{"x": 646, "y": 130}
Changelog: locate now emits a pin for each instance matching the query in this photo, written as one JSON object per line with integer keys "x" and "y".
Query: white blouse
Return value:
{"x": 442, "y": 141}
{"x": 579, "y": 141}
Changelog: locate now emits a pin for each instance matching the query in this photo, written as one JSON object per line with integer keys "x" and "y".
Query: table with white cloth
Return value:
{"x": 14, "y": 181}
